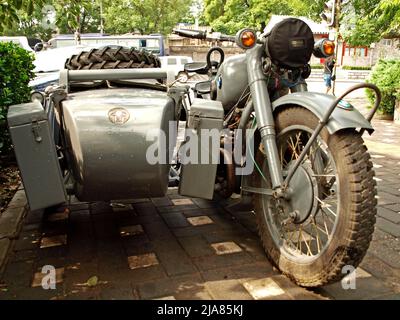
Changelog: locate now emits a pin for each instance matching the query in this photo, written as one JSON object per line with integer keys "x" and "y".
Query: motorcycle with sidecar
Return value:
{"x": 108, "y": 131}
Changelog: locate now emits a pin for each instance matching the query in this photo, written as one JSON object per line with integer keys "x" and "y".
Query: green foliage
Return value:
{"x": 16, "y": 65}
{"x": 145, "y": 16}
{"x": 366, "y": 21}
{"x": 317, "y": 66}
{"x": 229, "y": 16}
{"x": 9, "y": 11}
{"x": 355, "y": 68}
{"x": 386, "y": 75}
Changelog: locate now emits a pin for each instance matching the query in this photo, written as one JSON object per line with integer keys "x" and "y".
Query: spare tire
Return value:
{"x": 112, "y": 58}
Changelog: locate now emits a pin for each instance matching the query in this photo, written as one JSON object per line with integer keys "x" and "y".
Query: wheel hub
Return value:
{"x": 303, "y": 189}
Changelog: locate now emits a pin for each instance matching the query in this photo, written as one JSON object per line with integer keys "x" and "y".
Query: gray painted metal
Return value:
{"x": 109, "y": 160}
{"x": 120, "y": 74}
{"x": 198, "y": 179}
{"x": 36, "y": 155}
{"x": 233, "y": 77}
{"x": 263, "y": 109}
{"x": 319, "y": 103}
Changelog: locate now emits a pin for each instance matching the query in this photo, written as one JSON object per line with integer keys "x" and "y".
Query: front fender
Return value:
{"x": 318, "y": 104}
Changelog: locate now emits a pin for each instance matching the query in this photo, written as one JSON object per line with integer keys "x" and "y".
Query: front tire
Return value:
{"x": 316, "y": 260}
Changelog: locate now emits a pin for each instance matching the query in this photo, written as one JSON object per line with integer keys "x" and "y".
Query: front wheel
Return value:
{"x": 329, "y": 219}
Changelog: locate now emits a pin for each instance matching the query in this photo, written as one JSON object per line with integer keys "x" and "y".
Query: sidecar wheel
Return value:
{"x": 334, "y": 195}
{"x": 112, "y": 58}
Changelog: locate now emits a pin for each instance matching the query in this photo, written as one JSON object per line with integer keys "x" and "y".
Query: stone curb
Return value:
{"x": 10, "y": 224}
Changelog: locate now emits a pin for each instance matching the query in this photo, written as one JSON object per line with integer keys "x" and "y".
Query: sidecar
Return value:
{"x": 105, "y": 135}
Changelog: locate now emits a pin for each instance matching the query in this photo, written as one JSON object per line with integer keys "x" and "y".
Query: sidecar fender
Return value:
{"x": 318, "y": 104}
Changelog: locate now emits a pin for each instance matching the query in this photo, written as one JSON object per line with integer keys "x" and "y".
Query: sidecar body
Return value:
{"x": 104, "y": 143}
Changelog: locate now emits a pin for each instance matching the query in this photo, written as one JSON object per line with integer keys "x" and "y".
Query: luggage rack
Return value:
{"x": 66, "y": 76}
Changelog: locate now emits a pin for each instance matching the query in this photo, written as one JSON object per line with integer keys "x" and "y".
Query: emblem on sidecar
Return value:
{"x": 118, "y": 115}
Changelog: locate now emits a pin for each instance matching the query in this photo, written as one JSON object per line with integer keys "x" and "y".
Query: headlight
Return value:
{"x": 290, "y": 43}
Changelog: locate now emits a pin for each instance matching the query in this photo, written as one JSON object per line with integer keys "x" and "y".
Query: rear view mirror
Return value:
{"x": 38, "y": 47}
{"x": 197, "y": 67}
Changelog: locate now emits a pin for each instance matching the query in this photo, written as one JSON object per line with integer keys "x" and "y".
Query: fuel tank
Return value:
{"x": 231, "y": 80}
{"x": 105, "y": 132}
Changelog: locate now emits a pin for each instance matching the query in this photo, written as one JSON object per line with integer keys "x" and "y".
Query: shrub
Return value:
{"x": 386, "y": 76}
{"x": 16, "y": 65}
{"x": 355, "y": 68}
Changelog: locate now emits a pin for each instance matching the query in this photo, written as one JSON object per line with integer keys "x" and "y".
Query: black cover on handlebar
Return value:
{"x": 194, "y": 34}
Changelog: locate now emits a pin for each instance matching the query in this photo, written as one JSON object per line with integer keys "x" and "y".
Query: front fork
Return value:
{"x": 258, "y": 84}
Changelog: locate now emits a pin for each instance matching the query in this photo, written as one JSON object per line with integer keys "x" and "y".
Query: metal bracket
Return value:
{"x": 36, "y": 131}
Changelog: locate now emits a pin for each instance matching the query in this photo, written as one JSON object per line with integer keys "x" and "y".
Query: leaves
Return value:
{"x": 16, "y": 65}
{"x": 386, "y": 75}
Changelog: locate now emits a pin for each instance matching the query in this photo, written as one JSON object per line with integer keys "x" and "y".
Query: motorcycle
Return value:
{"x": 297, "y": 158}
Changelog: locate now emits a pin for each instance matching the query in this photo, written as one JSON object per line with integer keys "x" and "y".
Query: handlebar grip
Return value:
{"x": 194, "y": 34}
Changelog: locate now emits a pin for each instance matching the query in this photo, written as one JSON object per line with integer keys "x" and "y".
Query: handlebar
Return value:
{"x": 194, "y": 34}
{"x": 202, "y": 35}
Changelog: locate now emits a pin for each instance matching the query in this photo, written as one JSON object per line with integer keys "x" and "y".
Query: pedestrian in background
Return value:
{"x": 329, "y": 64}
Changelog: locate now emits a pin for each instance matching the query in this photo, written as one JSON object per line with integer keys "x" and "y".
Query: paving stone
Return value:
{"x": 204, "y": 204}
{"x": 218, "y": 274}
{"x": 142, "y": 261}
{"x": 10, "y": 222}
{"x": 193, "y": 212}
{"x": 165, "y": 298}
{"x": 18, "y": 274}
{"x": 79, "y": 216}
{"x": 394, "y": 207}
{"x": 18, "y": 200}
{"x": 196, "y": 246}
{"x": 54, "y": 241}
{"x": 131, "y": 230}
{"x": 151, "y": 273}
{"x": 366, "y": 288}
{"x": 121, "y": 207}
{"x": 23, "y": 255}
{"x": 395, "y": 296}
{"x": 221, "y": 261}
{"x": 386, "y": 254}
{"x": 175, "y": 220}
{"x": 180, "y": 209}
{"x": 100, "y": 208}
{"x": 169, "y": 286}
{"x": 294, "y": 291}
{"x": 169, "y": 254}
{"x": 227, "y": 290}
{"x": 38, "y": 277}
{"x": 388, "y": 227}
{"x": 161, "y": 202}
{"x": 389, "y": 215}
{"x": 255, "y": 270}
{"x": 157, "y": 230}
{"x": 4, "y": 248}
{"x": 226, "y": 247}
{"x": 27, "y": 240}
{"x": 198, "y": 230}
{"x": 200, "y": 220}
{"x": 58, "y": 216}
{"x": 182, "y": 202}
{"x": 265, "y": 289}
{"x": 118, "y": 291}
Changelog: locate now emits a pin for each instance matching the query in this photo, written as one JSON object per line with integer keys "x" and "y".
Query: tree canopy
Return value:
{"x": 21, "y": 17}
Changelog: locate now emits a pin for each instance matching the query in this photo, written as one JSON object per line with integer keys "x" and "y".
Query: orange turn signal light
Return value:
{"x": 328, "y": 47}
{"x": 246, "y": 38}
